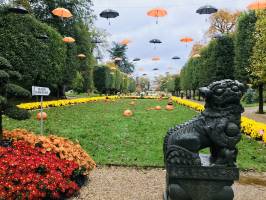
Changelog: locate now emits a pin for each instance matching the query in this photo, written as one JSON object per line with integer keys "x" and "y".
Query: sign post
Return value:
{"x": 41, "y": 91}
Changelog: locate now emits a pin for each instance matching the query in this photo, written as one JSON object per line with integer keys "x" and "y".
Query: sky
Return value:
{"x": 181, "y": 21}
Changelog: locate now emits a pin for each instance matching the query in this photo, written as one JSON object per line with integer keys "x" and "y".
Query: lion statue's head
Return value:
{"x": 223, "y": 95}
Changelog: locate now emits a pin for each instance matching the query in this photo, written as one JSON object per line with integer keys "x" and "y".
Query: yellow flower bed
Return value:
{"x": 254, "y": 129}
{"x": 64, "y": 102}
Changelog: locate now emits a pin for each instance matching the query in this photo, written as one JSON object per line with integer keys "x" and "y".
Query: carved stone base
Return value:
{"x": 200, "y": 182}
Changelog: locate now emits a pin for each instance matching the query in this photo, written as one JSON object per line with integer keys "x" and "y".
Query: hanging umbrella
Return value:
{"x": 206, "y": 10}
{"x": 125, "y": 41}
{"x": 81, "y": 56}
{"x": 155, "y": 41}
{"x": 68, "y": 40}
{"x": 117, "y": 59}
{"x": 155, "y": 69}
{"x": 141, "y": 69}
{"x": 156, "y": 58}
{"x": 257, "y": 5}
{"x": 136, "y": 59}
{"x": 157, "y": 12}
{"x": 176, "y": 58}
{"x": 18, "y": 10}
{"x": 186, "y": 40}
{"x": 62, "y": 13}
{"x": 144, "y": 74}
{"x": 108, "y": 14}
{"x": 96, "y": 41}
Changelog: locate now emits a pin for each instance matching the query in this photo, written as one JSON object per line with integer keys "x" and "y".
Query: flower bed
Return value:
{"x": 27, "y": 172}
{"x": 255, "y": 130}
{"x": 65, "y": 102}
{"x": 64, "y": 148}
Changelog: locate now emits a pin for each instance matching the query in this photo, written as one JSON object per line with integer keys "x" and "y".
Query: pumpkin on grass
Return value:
{"x": 128, "y": 113}
{"x": 42, "y": 115}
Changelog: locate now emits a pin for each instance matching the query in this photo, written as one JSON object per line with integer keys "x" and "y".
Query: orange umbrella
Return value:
{"x": 257, "y": 5}
{"x": 125, "y": 42}
{"x": 81, "y": 56}
{"x": 62, "y": 13}
{"x": 157, "y": 12}
{"x": 186, "y": 40}
{"x": 156, "y": 58}
{"x": 68, "y": 40}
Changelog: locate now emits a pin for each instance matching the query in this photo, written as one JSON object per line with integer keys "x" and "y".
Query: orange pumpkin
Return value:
{"x": 169, "y": 107}
{"x": 128, "y": 113}
{"x": 43, "y": 115}
{"x": 158, "y": 108}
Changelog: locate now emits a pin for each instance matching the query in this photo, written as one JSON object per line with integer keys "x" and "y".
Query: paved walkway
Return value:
{"x": 121, "y": 183}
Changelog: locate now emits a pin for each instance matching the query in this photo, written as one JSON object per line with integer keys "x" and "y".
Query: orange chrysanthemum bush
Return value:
{"x": 64, "y": 148}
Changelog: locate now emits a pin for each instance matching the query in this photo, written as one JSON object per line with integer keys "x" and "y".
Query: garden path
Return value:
{"x": 125, "y": 183}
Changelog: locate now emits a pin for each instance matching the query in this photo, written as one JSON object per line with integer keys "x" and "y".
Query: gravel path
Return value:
{"x": 121, "y": 183}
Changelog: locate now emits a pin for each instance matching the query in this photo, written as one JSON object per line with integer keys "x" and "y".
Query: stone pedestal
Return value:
{"x": 204, "y": 182}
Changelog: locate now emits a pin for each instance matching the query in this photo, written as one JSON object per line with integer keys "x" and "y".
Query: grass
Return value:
{"x": 111, "y": 138}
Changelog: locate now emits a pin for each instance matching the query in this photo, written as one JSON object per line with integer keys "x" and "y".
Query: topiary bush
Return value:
{"x": 7, "y": 75}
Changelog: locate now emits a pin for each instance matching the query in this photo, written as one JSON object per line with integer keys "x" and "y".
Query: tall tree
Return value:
{"x": 223, "y": 22}
{"x": 119, "y": 51}
{"x": 8, "y": 90}
{"x": 244, "y": 42}
{"x": 258, "y": 59}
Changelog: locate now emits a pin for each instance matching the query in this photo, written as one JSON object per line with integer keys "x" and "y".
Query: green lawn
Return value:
{"x": 111, "y": 138}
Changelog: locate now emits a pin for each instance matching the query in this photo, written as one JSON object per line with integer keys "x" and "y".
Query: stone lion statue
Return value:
{"x": 217, "y": 127}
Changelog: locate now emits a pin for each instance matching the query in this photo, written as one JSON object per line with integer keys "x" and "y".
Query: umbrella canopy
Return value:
{"x": 157, "y": 12}
{"x": 125, "y": 41}
{"x": 96, "y": 41}
{"x": 108, "y": 14}
{"x": 176, "y": 58}
{"x": 136, "y": 59}
{"x": 156, "y": 58}
{"x": 186, "y": 39}
{"x": 206, "y": 10}
{"x": 68, "y": 40}
{"x": 257, "y": 5}
{"x": 155, "y": 69}
{"x": 18, "y": 10}
{"x": 141, "y": 69}
{"x": 81, "y": 56}
{"x": 118, "y": 59}
{"x": 155, "y": 41}
{"x": 144, "y": 74}
{"x": 62, "y": 13}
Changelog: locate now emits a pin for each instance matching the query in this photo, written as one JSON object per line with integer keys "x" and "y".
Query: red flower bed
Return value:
{"x": 27, "y": 173}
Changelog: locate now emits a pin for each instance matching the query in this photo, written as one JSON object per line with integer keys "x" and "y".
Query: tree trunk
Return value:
{"x": 199, "y": 95}
{"x": 1, "y": 126}
{"x": 194, "y": 94}
{"x": 261, "y": 99}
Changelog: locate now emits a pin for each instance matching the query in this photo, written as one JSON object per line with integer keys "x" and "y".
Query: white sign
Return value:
{"x": 40, "y": 91}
